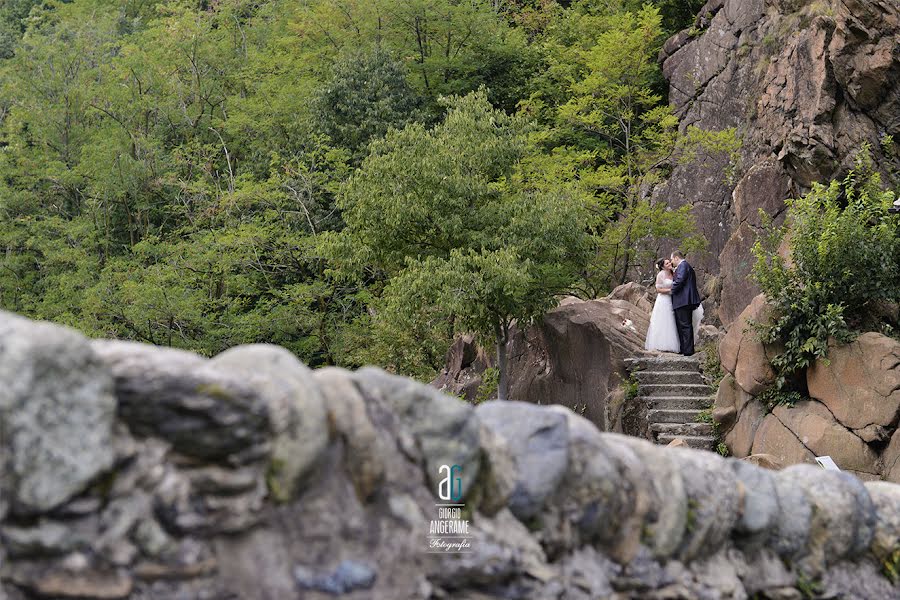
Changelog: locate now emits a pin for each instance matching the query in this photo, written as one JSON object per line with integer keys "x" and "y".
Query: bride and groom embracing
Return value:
{"x": 677, "y": 313}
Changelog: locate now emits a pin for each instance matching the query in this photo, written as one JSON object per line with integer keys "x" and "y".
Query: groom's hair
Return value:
{"x": 678, "y": 254}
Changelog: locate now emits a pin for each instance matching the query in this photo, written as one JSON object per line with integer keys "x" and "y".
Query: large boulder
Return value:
{"x": 576, "y": 355}
{"x": 815, "y": 427}
{"x": 776, "y": 440}
{"x": 56, "y": 415}
{"x": 741, "y": 436}
{"x": 743, "y": 355}
{"x": 538, "y": 441}
{"x": 890, "y": 459}
{"x": 860, "y": 381}
{"x": 737, "y": 415}
{"x": 296, "y": 409}
{"x": 464, "y": 368}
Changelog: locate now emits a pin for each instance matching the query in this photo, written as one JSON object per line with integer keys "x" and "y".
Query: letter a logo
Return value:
{"x": 450, "y": 487}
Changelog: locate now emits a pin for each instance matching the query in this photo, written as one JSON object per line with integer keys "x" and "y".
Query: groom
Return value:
{"x": 685, "y": 298}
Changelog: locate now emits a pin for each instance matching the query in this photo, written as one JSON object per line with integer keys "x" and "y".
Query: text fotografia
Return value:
{"x": 449, "y": 532}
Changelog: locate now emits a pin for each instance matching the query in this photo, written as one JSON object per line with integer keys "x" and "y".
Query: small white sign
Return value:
{"x": 826, "y": 463}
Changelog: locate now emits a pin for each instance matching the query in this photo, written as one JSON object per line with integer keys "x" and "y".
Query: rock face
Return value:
{"x": 56, "y": 415}
{"x": 805, "y": 84}
{"x": 552, "y": 507}
{"x": 743, "y": 355}
{"x": 852, "y": 413}
{"x": 575, "y": 357}
{"x": 860, "y": 382}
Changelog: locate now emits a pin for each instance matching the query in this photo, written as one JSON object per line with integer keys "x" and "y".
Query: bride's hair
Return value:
{"x": 661, "y": 263}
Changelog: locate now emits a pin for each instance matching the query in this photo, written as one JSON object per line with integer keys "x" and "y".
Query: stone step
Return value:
{"x": 703, "y": 442}
{"x": 664, "y": 415}
{"x": 677, "y": 402}
{"x": 669, "y": 362}
{"x": 679, "y": 389}
{"x": 686, "y": 429}
{"x": 669, "y": 377}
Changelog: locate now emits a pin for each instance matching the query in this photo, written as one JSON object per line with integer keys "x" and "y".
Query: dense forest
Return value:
{"x": 356, "y": 180}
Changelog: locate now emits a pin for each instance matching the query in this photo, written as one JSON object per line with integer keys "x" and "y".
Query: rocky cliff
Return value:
{"x": 131, "y": 471}
{"x": 805, "y": 83}
{"x": 574, "y": 357}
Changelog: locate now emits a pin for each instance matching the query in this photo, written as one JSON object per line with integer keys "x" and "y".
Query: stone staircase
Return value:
{"x": 674, "y": 392}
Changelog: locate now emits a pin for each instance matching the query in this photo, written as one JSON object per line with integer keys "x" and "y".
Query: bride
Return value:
{"x": 662, "y": 335}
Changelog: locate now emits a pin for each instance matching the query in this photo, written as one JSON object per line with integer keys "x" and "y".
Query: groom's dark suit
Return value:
{"x": 685, "y": 298}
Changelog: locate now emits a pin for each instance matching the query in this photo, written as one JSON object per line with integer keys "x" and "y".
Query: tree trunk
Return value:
{"x": 502, "y": 339}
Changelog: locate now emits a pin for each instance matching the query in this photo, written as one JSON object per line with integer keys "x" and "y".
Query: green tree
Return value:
{"x": 441, "y": 213}
{"x": 367, "y": 94}
{"x": 636, "y": 140}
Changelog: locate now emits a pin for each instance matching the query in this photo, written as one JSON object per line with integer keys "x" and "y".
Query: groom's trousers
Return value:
{"x": 684, "y": 322}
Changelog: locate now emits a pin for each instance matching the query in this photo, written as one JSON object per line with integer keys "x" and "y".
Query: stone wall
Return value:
{"x": 805, "y": 83}
{"x": 131, "y": 471}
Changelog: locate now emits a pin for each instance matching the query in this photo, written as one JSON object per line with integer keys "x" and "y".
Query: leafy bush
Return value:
{"x": 843, "y": 248}
{"x": 711, "y": 365}
{"x": 490, "y": 380}
{"x": 631, "y": 387}
{"x": 774, "y": 396}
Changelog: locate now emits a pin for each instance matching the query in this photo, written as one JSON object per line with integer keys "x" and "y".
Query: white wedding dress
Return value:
{"x": 662, "y": 335}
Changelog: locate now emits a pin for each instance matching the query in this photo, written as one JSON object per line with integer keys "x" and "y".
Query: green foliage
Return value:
{"x": 810, "y": 588}
{"x": 631, "y": 387}
{"x": 775, "y": 396}
{"x": 890, "y": 565}
{"x": 441, "y": 214}
{"x": 691, "y": 521}
{"x": 844, "y": 248}
{"x": 710, "y": 365}
{"x": 722, "y": 449}
{"x": 490, "y": 380}
{"x": 705, "y": 416}
{"x": 207, "y": 174}
{"x": 367, "y": 94}
{"x": 635, "y": 139}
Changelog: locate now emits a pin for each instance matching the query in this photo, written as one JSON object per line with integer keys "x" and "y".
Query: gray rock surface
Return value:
{"x": 56, "y": 415}
{"x": 538, "y": 440}
{"x": 296, "y": 410}
{"x": 842, "y": 520}
{"x": 761, "y": 506}
{"x": 713, "y": 497}
{"x": 203, "y": 411}
{"x": 445, "y": 428}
